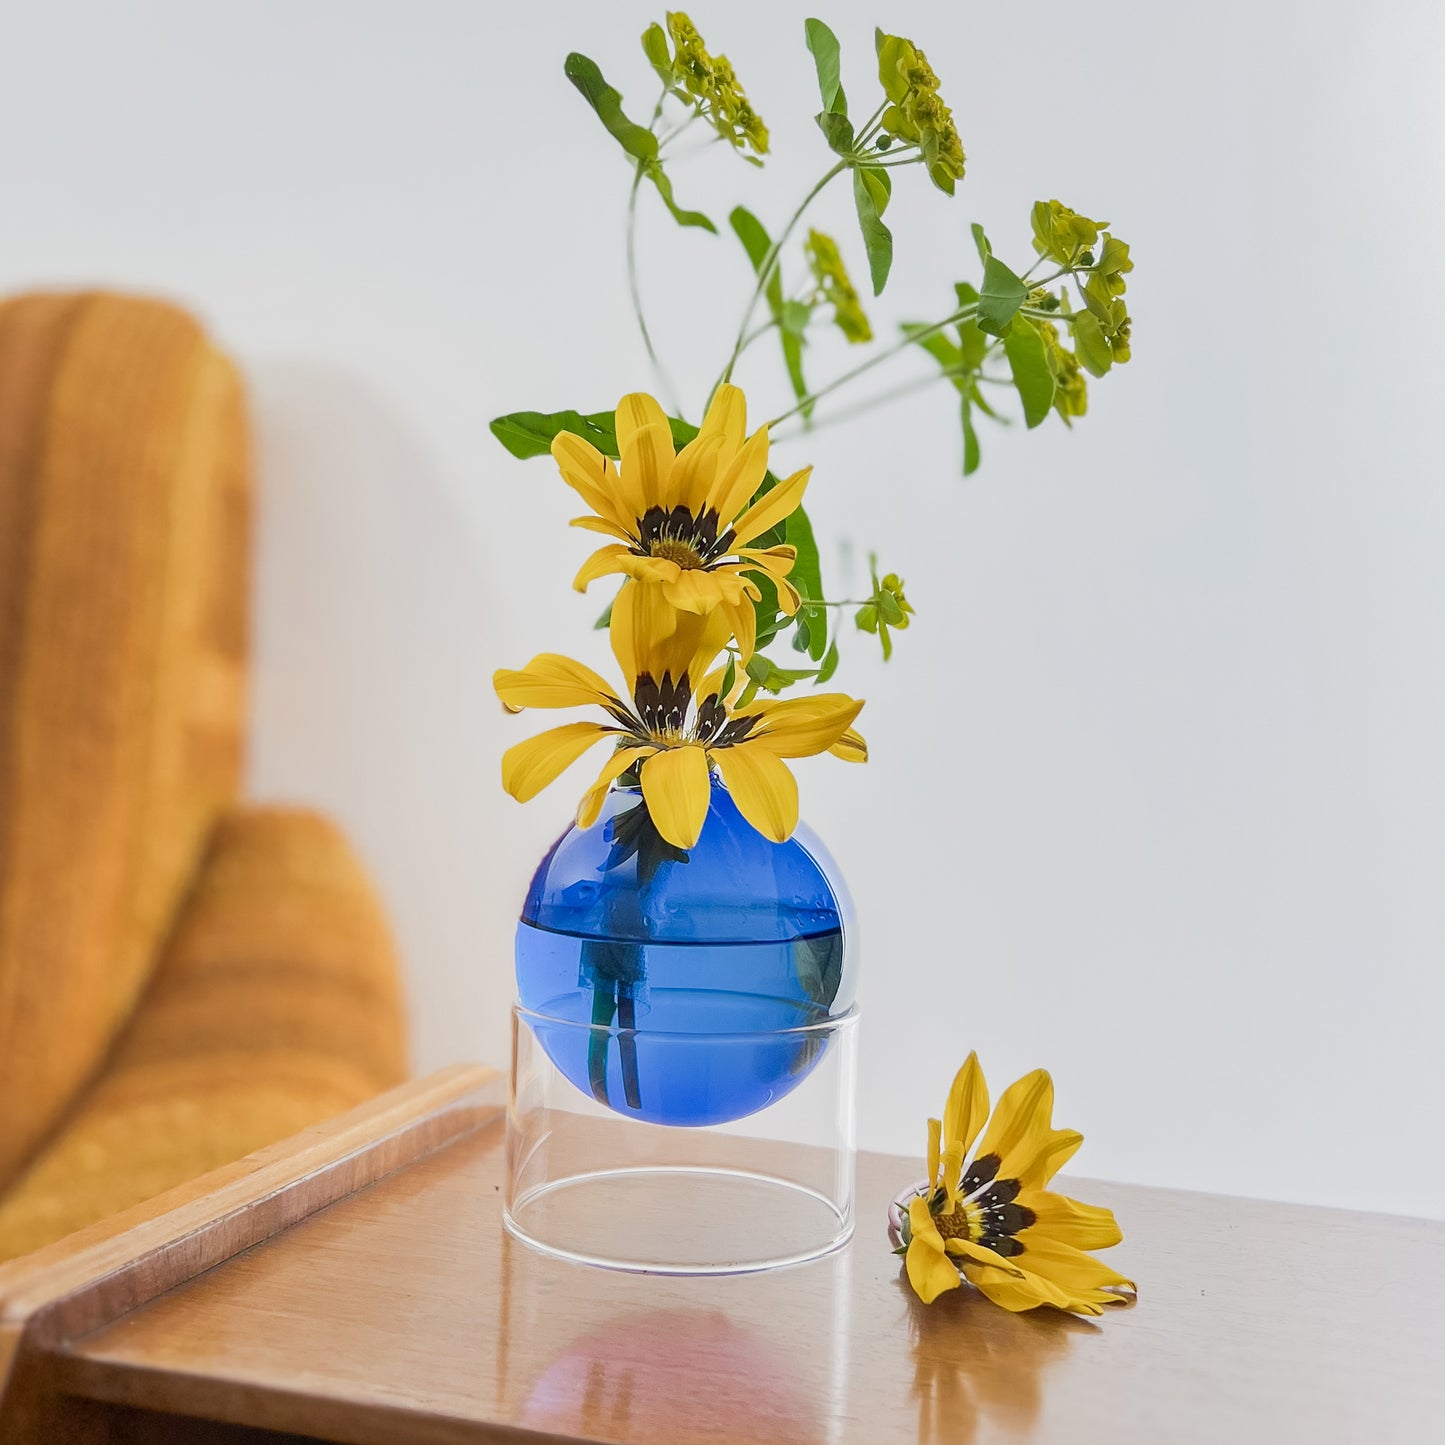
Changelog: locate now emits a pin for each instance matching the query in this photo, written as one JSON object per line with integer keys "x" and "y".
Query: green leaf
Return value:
{"x": 730, "y": 675}
{"x": 807, "y": 577}
{"x": 802, "y": 634}
{"x": 829, "y": 667}
{"x": 880, "y": 186}
{"x": 1090, "y": 344}
{"x": 754, "y": 236}
{"x": 655, "y": 47}
{"x": 999, "y": 300}
{"x": 973, "y": 344}
{"x": 663, "y": 182}
{"x": 605, "y": 621}
{"x": 986, "y": 407}
{"x": 636, "y": 140}
{"x": 837, "y": 131}
{"x": 772, "y": 678}
{"x": 1029, "y": 362}
{"x": 971, "y": 451}
{"x": 868, "y": 182}
{"x": 529, "y": 434}
{"x": 824, "y": 47}
{"x": 981, "y": 241}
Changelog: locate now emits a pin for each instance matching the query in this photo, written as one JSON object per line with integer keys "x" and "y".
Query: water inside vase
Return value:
{"x": 685, "y": 1033}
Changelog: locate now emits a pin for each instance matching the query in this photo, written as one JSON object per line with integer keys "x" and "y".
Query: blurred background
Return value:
{"x": 1156, "y": 796}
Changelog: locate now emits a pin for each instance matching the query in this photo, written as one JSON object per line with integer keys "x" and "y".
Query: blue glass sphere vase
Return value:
{"x": 679, "y": 1012}
{"x": 660, "y": 950}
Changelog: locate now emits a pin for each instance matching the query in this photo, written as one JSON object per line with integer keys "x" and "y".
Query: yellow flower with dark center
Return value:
{"x": 713, "y": 86}
{"x": 673, "y": 731}
{"x": 917, "y": 114}
{"x": 687, "y": 521}
{"x": 826, "y": 264}
{"x": 993, "y": 1221}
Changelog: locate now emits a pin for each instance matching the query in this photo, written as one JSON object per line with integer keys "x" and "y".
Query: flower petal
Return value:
{"x": 789, "y": 598}
{"x": 591, "y": 475}
{"x": 930, "y": 1271}
{"x": 763, "y": 787}
{"x": 617, "y": 764}
{"x": 1020, "y": 1290}
{"x": 727, "y": 418}
{"x": 742, "y": 620}
{"x": 977, "y": 1253}
{"x": 935, "y": 1148}
{"x": 636, "y": 410}
{"x": 551, "y": 680}
{"x": 651, "y": 569}
{"x": 801, "y": 726}
{"x": 740, "y": 479}
{"x": 640, "y": 615}
{"x": 676, "y": 787}
{"x": 1069, "y": 1268}
{"x": 647, "y": 465}
{"x": 527, "y": 767}
{"x": 1022, "y": 1135}
{"x": 601, "y": 524}
{"x": 967, "y": 1109}
{"x": 604, "y": 561}
{"x": 693, "y": 590}
{"x": 775, "y": 561}
{"x": 851, "y": 747}
{"x": 1070, "y": 1221}
{"x": 694, "y": 473}
{"x": 770, "y": 509}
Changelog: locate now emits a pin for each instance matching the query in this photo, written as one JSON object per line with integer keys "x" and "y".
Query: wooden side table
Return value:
{"x": 355, "y": 1284}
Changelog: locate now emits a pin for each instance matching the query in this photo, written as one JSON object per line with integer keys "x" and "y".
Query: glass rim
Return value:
{"x": 834, "y": 1024}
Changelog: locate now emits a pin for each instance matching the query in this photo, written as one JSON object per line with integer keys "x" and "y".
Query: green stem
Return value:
{"x": 870, "y": 128}
{"x": 765, "y": 271}
{"x": 890, "y": 351}
{"x": 634, "y": 286}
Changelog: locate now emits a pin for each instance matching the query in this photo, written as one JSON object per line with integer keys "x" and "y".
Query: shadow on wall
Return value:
{"x": 365, "y": 699}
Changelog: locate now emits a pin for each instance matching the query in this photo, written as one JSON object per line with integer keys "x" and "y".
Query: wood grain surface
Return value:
{"x": 71, "y": 1288}
{"x": 404, "y": 1312}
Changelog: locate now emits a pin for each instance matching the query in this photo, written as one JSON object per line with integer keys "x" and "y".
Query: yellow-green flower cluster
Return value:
{"x": 712, "y": 84}
{"x": 1104, "y": 293}
{"x": 837, "y": 287}
{"x": 1082, "y": 244}
{"x": 1071, "y": 390}
{"x": 917, "y": 114}
{"x": 1063, "y": 234}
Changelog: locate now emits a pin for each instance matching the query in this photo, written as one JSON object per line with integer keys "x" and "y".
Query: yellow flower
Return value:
{"x": 687, "y": 521}
{"x": 917, "y": 114}
{"x": 714, "y": 88}
{"x": 673, "y": 732}
{"x": 994, "y": 1222}
{"x": 837, "y": 287}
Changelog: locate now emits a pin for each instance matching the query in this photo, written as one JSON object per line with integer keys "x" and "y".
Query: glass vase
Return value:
{"x": 670, "y": 1005}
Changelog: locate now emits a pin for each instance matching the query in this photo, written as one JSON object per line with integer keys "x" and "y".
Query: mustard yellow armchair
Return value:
{"x": 182, "y": 979}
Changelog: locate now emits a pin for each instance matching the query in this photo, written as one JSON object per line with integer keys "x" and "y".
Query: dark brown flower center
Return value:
{"x": 691, "y": 540}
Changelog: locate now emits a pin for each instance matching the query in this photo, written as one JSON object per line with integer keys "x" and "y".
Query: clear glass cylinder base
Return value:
{"x": 588, "y": 1184}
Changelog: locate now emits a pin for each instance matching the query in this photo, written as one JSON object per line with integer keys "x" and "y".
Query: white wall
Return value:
{"x": 1157, "y": 795}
